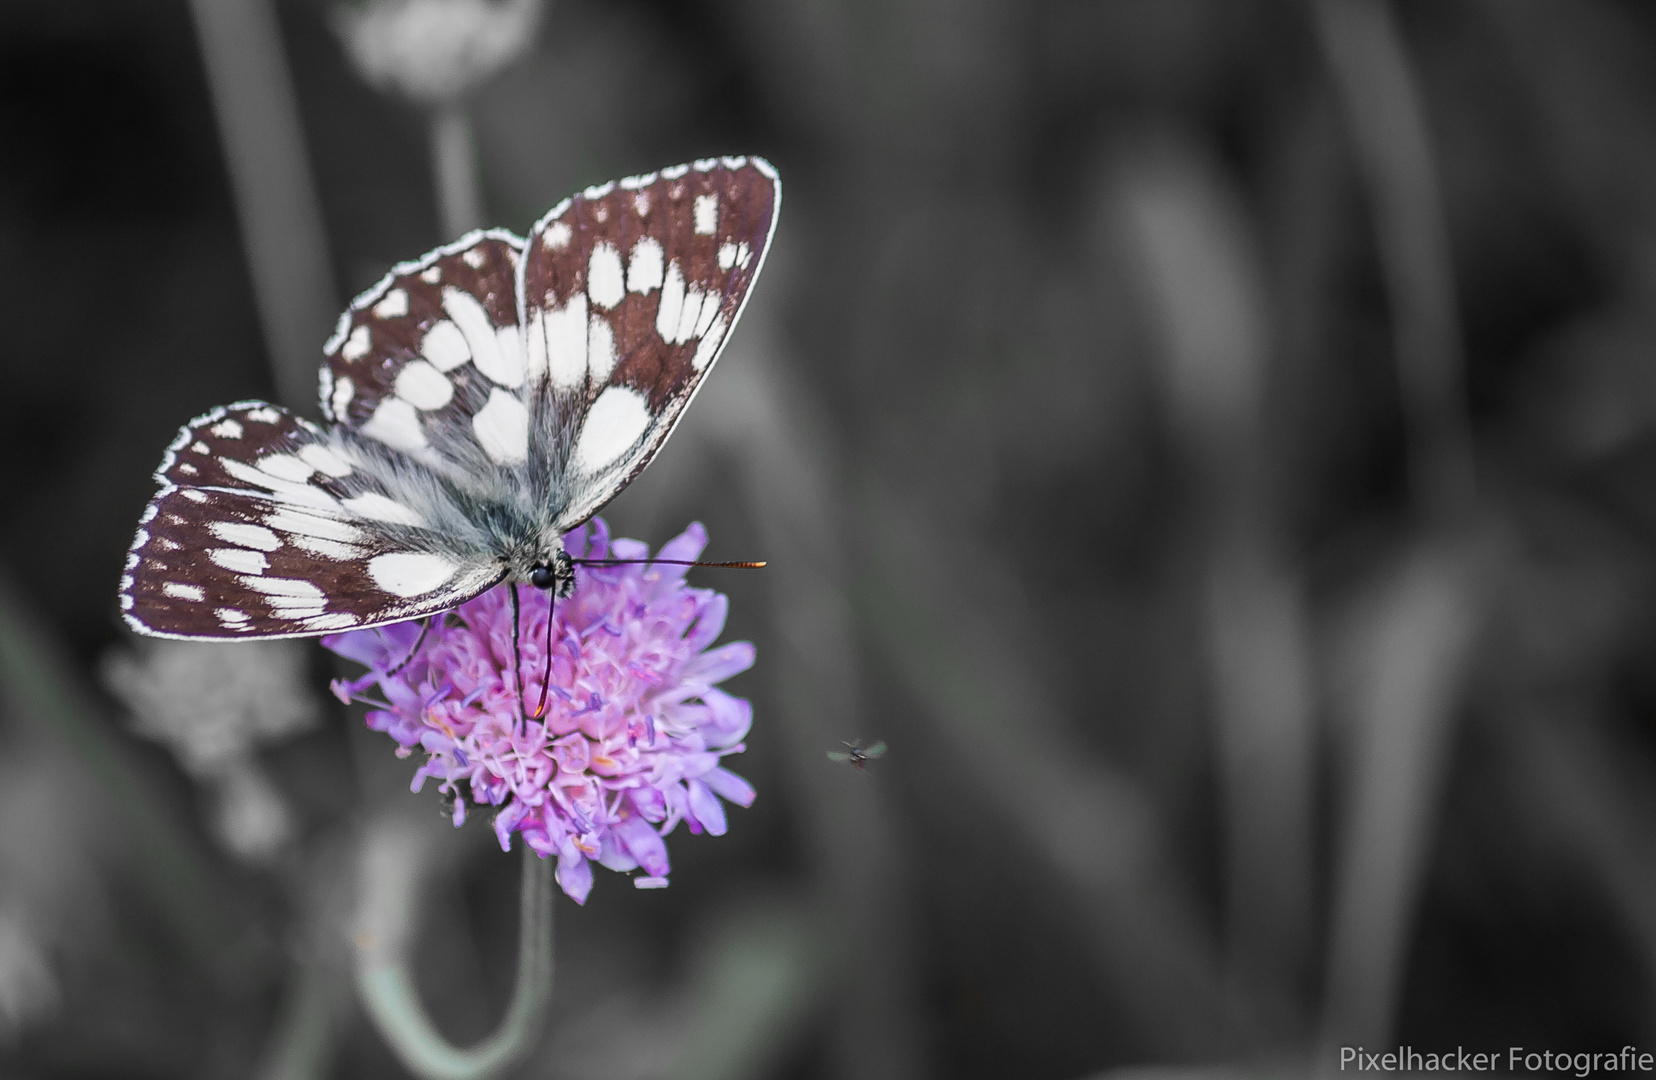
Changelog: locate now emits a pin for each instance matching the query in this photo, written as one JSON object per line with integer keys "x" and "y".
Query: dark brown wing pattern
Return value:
{"x": 430, "y": 361}
{"x": 630, "y": 291}
{"x": 265, "y": 528}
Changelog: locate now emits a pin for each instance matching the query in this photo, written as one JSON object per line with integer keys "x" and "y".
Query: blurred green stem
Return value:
{"x": 304, "y": 1036}
{"x": 454, "y": 168}
{"x": 281, "y": 219}
{"x": 385, "y": 985}
{"x": 1386, "y": 121}
{"x": 1425, "y": 627}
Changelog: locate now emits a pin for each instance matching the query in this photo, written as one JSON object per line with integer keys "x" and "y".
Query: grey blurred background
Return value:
{"x": 1212, "y": 442}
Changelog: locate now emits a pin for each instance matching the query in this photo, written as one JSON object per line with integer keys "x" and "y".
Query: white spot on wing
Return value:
{"x": 323, "y": 460}
{"x": 200, "y": 448}
{"x": 423, "y": 386}
{"x": 558, "y": 235}
{"x": 727, "y": 256}
{"x": 688, "y": 316}
{"x": 673, "y": 172}
{"x": 230, "y": 617}
{"x": 473, "y": 257}
{"x": 187, "y": 469}
{"x": 343, "y": 391}
{"x": 356, "y": 346}
{"x": 744, "y": 255}
{"x": 671, "y": 304}
{"x": 244, "y": 535}
{"x": 502, "y": 366}
{"x": 709, "y": 347}
{"x": 373, "y": 505}
{"x": 332, "y": 621}
{"x": 535, "y": 363}
{"x": 181, "y": 591}
{"x": 289, "y": 598}
{"x": 710, "y": 308}
{"x": 193, "y": 495}
{"x": 328, "y": 549}
{"x": 601, "y": 357}
{"x": 285, "y": 467}
{"x": 502, "y": 428}
{"x": 262, "y": 415}
{"x": 566, "y": 342}
{"x": 644, "y": 269}
{"x": 394, "y": 306}
{"x": 297, "y": 523}
{"x": 614, "y": 424}
{"x": 410, "y": 573}
{"x": 707, "y": 215}
{"x": 445, "y": 346}
{"x": 226, "y": 429}
{"x": 604, "y": 280}
{"x": 240, "y": 560}
{"x": 431, "y": 275}
{"x": 641, "y": 203}
{"x": 396, "y": 424}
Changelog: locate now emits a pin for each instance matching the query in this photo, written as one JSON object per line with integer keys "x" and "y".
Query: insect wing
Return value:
{"x": 874, "y": 751}
{"x": 265, "y": 527}
{"x": 430, "y": 361}
{"x": 630, "y": 291}
{"x": 838, "y": 755}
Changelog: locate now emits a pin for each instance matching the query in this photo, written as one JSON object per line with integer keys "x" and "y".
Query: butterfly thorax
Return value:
{"x": 478, "y": 514}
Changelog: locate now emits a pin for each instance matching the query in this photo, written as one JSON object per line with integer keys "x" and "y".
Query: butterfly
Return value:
{"x": 857, "y": 754}
{"x": 481, "y": 402}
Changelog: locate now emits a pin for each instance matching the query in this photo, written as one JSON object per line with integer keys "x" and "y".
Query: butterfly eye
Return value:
{"x": 542, "y": 577}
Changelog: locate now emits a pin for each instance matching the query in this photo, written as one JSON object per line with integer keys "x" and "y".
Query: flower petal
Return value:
{"x": 721, "y": 663}
{"x": 574, "y": 874}
{"x": 643, "y": 844}
{"x": 729, "y": 718}
{"x": 706, "y": 807}
{"x": 709, "y": 624}
{"x": 687, "y": 545}
{"x": 731, "y": 786}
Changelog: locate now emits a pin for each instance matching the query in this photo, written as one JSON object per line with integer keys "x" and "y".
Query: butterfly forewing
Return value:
{"x": 264, "y": 527}
{"x": 430, "y": 361}
{"x": 629, "y": 292}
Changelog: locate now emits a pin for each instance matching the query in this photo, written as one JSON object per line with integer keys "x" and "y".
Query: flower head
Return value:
{"x": 435, "y": 51}
{"x": 634, "y": 727}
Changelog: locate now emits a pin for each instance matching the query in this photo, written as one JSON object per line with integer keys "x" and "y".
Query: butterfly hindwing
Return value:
{"x": 266, "y": 527}
{"x": 430, "y": 361}
{"x": 629, "y": 293}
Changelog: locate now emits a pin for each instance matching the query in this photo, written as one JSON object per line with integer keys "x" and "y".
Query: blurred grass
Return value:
{"x": 162, "y": 854}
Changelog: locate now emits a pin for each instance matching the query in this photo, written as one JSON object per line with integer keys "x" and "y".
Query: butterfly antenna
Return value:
{"x": 517, "y": 656}
{"x": 670, "y": 562}
{"x": 425, "y": 628}
{"x": 546, "y": 684}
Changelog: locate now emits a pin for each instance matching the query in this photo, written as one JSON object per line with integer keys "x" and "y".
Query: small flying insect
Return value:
{"x": 857, "y": 754}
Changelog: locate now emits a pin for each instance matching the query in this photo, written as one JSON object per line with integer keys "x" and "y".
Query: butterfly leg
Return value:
{"x": 546, "y": 683}
{"x": 425, "y": 628}
{"x": 517, "y": 655}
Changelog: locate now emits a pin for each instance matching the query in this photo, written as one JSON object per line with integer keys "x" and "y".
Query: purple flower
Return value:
{"x": 634, "y": 728}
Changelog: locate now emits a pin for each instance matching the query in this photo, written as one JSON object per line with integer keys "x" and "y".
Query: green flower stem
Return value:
{"x": 387, "y": 991}
{"x": 454, "y": 165}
